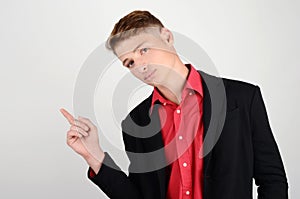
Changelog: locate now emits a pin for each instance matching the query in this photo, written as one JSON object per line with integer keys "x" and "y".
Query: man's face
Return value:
{"x": 149, "y": 56}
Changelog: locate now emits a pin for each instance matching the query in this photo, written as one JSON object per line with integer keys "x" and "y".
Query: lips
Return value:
{"x": 149, "y": 75}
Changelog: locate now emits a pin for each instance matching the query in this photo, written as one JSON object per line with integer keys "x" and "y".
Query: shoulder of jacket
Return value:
{"x": 140, "y": 111}
{"x": 236, "y": 90}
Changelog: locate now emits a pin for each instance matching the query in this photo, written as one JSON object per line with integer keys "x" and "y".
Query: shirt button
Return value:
{"x": 178, "y": 111}
{"x": 180, "y": 137}
{"x": 164, "y": 103}
{"x": 184, "y": 164}
{"x": 187, "y": 193}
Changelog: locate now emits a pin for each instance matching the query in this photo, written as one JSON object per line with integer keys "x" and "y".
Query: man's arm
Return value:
{"x": 112, "y": 180}
{"x": 83, "y": 139}
{"x": 269, "y": 171}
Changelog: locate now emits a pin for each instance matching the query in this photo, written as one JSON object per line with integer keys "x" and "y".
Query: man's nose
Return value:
{"x": 142, "y": 68}
{"x": 141, "y": 65}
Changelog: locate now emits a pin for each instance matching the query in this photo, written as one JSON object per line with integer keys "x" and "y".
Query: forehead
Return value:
{"x": 140, "y": 40}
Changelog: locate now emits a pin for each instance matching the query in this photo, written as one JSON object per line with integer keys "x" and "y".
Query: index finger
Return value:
{"x": 67, "y": 115}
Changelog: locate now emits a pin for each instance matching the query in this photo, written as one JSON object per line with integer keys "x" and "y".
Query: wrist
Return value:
{"x": 95, "y": 162}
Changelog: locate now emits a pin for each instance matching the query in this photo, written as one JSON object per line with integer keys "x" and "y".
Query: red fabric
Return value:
{"x": 92, "y": 173}
{"x": 182, "y": 131}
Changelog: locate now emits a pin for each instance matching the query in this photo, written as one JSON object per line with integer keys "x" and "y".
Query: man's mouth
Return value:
{"x": 149, "y": 75}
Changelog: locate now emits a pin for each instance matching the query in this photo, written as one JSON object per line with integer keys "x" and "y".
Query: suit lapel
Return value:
{"x": 155, "y": 143}
{"x": 206, "y": 119}
{"x": 214, "y": 112}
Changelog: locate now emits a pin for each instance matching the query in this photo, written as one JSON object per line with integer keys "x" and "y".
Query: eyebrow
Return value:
{"x": 134, "y": 51}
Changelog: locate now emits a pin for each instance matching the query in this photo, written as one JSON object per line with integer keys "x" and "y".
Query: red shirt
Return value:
{"x": 182, "y": 132}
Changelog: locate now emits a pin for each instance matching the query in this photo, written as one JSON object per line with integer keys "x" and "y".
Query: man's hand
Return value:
{"x": 83, "y": 139}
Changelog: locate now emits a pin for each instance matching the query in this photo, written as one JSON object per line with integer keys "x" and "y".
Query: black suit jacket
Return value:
{"x": 245, "y": 149}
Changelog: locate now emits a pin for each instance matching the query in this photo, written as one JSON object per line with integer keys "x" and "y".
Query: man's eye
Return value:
{"x": 144, "y": 50}
{"x": 130, "y": 64}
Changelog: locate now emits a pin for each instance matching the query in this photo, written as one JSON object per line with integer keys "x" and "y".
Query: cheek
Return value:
{"x": 161, "y": 58}
{"x": 136, "y": 74}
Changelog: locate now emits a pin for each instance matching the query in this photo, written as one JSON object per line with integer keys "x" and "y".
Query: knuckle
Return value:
{"x": 81, "y": 131}
{"x": 82, "y": 118}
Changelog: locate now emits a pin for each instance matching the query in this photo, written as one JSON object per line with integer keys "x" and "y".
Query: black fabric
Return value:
{"x": 245, "y": 150}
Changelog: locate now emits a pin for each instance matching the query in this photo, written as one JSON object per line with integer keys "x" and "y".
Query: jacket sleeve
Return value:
{"x": 113, "y": 181}
{"x": 269, "y": 172}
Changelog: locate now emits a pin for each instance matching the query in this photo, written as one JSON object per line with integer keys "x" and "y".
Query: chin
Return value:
{"x": 150, "y": 83}
{"x": 156, "y": 83}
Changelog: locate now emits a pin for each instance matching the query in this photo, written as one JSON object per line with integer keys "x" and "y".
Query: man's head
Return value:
{"x": 144, "y": 45}
{"x": 130, "y": 25}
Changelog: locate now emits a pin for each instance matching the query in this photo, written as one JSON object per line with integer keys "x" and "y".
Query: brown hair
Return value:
{"x": 130, "y": 25}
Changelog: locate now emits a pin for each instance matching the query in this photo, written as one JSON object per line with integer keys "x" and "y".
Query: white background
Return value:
{"x": 44, "y": 43}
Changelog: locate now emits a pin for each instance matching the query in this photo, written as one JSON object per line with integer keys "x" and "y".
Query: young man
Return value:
{"x": 176, "y": 118}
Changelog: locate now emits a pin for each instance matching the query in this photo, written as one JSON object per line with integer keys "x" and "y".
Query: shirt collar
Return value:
{"x": 193, "y": 83}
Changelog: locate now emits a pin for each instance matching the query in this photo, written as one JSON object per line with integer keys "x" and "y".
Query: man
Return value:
{"x": 176, "y": 118}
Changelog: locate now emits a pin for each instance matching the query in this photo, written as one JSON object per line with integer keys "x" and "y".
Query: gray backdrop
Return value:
{"x": 43, "y": 44}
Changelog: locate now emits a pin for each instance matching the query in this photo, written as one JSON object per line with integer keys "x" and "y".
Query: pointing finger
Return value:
{"x": 67, "y": 115}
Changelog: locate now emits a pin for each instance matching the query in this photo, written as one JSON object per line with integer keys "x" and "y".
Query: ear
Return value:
{"x": 167, "y": 36}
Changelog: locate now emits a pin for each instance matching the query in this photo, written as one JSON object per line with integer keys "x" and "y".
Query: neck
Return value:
{"x": 174, "y": 84}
